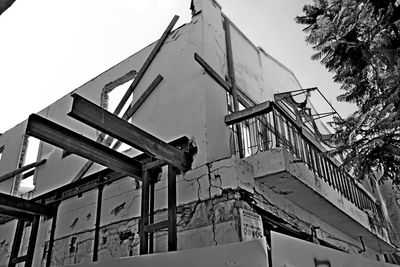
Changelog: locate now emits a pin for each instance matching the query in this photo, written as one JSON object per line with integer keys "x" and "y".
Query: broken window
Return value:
{"x": 30, "y": 151}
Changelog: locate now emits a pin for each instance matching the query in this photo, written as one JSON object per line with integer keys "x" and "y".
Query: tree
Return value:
{"x": 359, "y": 41}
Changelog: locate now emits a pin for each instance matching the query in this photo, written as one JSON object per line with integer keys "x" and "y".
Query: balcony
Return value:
{"x": 289, "y": 161}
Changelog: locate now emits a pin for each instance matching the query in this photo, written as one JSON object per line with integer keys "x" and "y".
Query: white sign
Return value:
{"x": 292, "y": 252}
{"x": 251, "y": 225}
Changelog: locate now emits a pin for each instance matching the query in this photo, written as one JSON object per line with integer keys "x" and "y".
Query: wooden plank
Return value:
{"x": 172, "y": 227}
{"x": 212, "y": 72}
{"x": 248, "y": 113}
{"x": 15, "y": 204}
{"x": 156, "y": 226}
{"x": 93, "y": 115}
{"x": 146, "y": 64}
{"x": 64, "y": 138}
{"x": 21, "y": 170}
{"x": 19, "y": 259}
{"x": 128, "y": 114}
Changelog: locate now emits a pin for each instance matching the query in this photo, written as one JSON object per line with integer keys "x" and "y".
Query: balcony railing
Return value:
{"x": 267, "y": 126}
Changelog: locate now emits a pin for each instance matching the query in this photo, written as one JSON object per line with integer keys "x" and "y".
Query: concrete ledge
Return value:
{"x": 281, "y": 172}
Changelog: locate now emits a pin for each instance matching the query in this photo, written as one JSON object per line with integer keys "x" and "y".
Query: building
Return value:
{"x": 201, "y": 90}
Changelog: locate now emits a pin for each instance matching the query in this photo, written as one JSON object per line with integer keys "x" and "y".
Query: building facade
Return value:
{"x": 257, "y": 156}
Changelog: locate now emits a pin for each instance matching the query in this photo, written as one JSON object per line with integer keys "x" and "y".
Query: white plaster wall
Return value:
{"x": 11, "y": 141}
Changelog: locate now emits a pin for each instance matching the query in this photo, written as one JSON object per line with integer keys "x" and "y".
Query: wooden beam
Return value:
{"x": 212, "y": 72}
{"x": 21, "y": 170}
{"x": 20, "y": 205}
{"x": 64, "y": 138}
{"x": 172, "y": 221}
{"x": 146, "y": 64}
{"x": 100, "y": 119}
{"x": 247, "y": 113}
{"x": 156, "y": 226}
{"x": 5, "y": 4}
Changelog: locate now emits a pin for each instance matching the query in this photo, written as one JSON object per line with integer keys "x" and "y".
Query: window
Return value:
{"x": 1, "y": 152}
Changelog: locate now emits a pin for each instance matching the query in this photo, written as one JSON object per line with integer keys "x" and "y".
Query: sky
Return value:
{"x": 49, "y": 48}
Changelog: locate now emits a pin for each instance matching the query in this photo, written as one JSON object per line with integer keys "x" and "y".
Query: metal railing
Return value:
{"x": 264, "y": 128}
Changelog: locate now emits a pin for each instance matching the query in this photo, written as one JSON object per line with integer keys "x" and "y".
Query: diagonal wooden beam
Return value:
{"x": 212, "y": 72}
{"x": 21, "y": 170}
{"x": 93, "y": 115}
{"x": 5, "y": 4}
{"x": 146, "y": 64}
{"x": 73, "y": 142}
{"x": 14, "y": 205}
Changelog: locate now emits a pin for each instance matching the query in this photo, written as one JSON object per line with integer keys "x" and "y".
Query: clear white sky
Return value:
{"x": 48, "y": 48}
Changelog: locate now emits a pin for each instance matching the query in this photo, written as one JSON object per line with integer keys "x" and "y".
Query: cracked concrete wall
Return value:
{"x": 201, "y": 223}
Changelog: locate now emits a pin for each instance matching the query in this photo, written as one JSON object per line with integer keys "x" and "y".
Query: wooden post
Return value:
{"x": 98, "y": 219}
{"x": 172, "y": 227}
{"x": 144, "y": 217}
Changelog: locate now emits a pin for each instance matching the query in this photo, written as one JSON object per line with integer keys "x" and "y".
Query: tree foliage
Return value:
{"x": 359, "y": 40}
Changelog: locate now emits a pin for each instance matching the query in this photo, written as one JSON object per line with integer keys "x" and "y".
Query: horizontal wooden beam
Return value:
{"x": 156, "y": 226}
{"x": 247, "y": 113}
{"x": 21, "y": 170}
{"x": 93, "y": 115}
{"x": 23, "y": 206}
{"x": 73, "y": 142}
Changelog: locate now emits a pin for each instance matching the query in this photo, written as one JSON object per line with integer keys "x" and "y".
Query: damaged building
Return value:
{"x": 200, "y": 139}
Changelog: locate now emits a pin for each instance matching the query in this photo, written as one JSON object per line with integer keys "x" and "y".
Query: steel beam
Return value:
{"x": 14, "y": 205}
{"x": 100, "y": 119}
{"x": 73, "y": 142}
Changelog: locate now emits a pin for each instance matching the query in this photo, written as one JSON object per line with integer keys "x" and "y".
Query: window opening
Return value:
{"x": 25, "y": 182}
{"x": 113, "y": 97}
{"x": 1, "y": 151}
